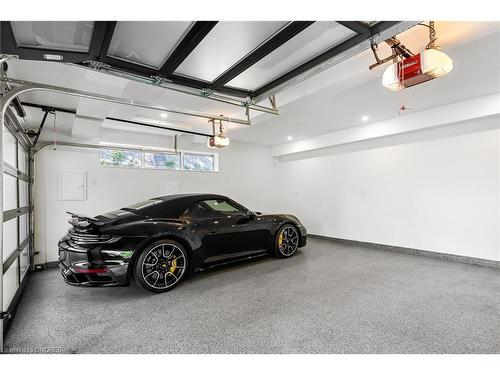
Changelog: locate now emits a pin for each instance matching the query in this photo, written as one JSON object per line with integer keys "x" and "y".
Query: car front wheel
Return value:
{"x": 287, "y": 241}
{"x": 161, "y": 266}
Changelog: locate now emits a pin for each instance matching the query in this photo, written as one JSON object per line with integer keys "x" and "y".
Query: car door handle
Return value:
{"x": 212, "y": 232}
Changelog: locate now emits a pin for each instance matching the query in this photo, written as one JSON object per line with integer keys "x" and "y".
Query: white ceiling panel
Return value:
{"x": 314, "y": 40}
{"x": 146, "y": 43}
{"x": 225, "y": 45}
{"x": 61, "y": 35}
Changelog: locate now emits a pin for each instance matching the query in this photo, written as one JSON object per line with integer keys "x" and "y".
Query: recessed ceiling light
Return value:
{"x": 364, "y": 118}
{"x": 289, "y": 137}
{"x": 164, "y": 115}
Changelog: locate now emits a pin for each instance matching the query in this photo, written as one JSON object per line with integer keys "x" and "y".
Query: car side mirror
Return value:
{"x": 252, "y": 215}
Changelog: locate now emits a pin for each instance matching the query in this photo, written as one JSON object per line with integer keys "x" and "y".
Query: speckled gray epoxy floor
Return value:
{"x": 329, "y": 298}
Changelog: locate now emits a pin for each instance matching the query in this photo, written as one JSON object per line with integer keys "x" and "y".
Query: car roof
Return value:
{"x": 190, "y": 197}
{"x": 174, "y": 205}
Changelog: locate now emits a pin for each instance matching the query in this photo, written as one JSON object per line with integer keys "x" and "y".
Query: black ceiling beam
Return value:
{"x": 101, "y": 37}
{"x": 356, "y": 26}
{"x": 321, "y": 58}
{"x": 280, "y": 38}
{"x": 382, "y": 26}
{"x": 188, "y": 43}
{"x": 106, "y": 34}
{"x": 201, "y": 85}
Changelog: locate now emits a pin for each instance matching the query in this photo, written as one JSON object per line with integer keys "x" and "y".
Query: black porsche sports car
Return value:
{"x": 160, "y": 241}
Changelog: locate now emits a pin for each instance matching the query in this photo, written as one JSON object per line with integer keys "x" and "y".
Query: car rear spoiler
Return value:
{"x": 83, "y": 221}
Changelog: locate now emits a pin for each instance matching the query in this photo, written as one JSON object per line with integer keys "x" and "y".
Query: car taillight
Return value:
{"x": 86, "y": 269}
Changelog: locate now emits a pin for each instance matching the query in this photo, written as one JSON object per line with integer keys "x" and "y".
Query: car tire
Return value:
{"x": 161, "y": 266}
{"x": 287, "y": 241}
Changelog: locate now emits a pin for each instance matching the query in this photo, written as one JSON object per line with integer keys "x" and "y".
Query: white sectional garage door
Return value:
{"x": 16, "y": 221}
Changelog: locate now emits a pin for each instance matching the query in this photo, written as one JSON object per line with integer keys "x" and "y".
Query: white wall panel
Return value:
{"x": 9, "y": 237}
{"x": 22, "y": 160}
{"x": 23, "y": 227}
{"x": 9, "y": 192}
{"x": 23, "y": 193}
{"x": 9, "y": 147}
{"x": 10, "y": 284}
{"x": 24, "y": 261}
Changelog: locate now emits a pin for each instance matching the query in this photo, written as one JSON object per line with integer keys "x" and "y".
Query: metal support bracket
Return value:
{"x": 159, "y": 81}
{"x": 272, "y": 100}
{"x": 247, "y": 112}
{"x": 398, "y": 50}
{"x": 96, "y": 65}
{"x": 206, "y": 92}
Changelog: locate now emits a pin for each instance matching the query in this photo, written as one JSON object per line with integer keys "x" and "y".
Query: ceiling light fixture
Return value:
{"x": 217, "y": 140}
{"x": 164, "y": 115}
{"x": 289, "y": 138}
{"x": 364, "y": 118}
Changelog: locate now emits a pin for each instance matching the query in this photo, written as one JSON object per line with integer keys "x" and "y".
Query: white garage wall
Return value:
{"x": 246, "y": 175}
{"x": 438, "y": 194}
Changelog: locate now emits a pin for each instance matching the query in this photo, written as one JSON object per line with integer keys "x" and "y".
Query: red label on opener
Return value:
{"x": 409, "y": 68}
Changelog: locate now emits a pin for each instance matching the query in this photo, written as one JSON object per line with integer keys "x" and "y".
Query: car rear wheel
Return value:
{"x": 287, "y": 241}
{"x": 161, "y": 266}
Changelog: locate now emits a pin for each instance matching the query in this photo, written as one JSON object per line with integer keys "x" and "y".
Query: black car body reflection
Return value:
{"x": 160, "y": 241}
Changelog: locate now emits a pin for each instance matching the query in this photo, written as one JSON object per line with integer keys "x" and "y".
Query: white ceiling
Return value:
{"x": 334, "y": 99}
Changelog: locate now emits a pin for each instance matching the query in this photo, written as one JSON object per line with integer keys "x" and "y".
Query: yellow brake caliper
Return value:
{"x": 173, "y": 266}
{"x": 280, "y": 239}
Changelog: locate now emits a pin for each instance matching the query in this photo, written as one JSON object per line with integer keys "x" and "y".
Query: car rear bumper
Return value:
{"x": 85, "y": 267}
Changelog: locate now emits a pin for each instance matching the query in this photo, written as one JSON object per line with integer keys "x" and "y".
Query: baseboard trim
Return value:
{"x": 410, "y": 251}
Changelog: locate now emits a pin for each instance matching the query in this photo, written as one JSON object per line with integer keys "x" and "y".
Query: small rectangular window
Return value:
{"x": 160, "y": 160}
{"x": 188, "y": 161}
{"x": 199, "y": 162}
{"x": 121, "y": 158}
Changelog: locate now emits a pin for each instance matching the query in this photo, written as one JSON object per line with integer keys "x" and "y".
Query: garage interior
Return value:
{"x": 398, "y": 187}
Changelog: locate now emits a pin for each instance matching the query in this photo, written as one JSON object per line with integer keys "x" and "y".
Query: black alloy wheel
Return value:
{"x": 287, "y": 241}
{"x": 161, "y": 266}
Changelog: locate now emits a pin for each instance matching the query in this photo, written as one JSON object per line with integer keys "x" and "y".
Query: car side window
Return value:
{"x": 221, "y": 207}
{"x": 197, "y": 211}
